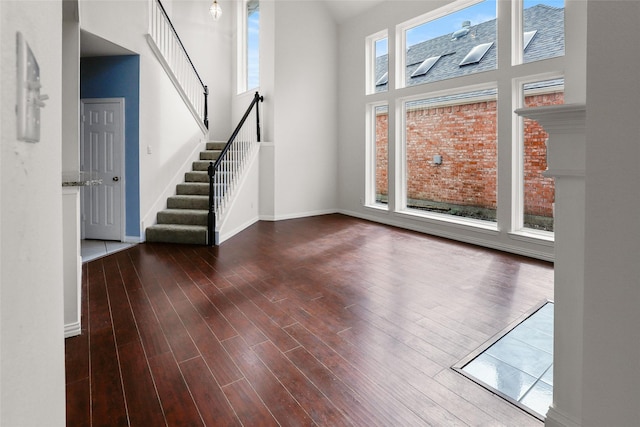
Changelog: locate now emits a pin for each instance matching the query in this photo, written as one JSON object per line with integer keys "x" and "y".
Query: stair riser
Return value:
{"x": 215, "y": 145}
{"x": 201, "y": 165}
{"x": 209, "y": 155}
{"x": 197, "y": 237}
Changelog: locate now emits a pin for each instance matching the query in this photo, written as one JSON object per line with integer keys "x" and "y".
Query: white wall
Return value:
{"x": 209, "y": 44}
{"x": 352, "y": 112}
{"x": 32, "y": 381}
{"x": 611, "y": 372}
{"x": 299, "y": 82}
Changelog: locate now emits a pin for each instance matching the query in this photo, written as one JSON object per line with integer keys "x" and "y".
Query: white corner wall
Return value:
{"x": 298, "y": 78}
{"x": 611, "y": 337}
{"x": 32, "y": 379}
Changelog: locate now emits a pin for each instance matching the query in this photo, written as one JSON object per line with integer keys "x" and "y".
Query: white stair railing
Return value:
{"x": 173, "y": 56}
{"x": 225, "y": 172}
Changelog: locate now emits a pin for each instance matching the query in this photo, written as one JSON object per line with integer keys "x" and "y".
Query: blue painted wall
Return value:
{"x": 119, "y": 77}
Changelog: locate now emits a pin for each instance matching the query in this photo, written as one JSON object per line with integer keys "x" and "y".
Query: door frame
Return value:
{"x": 123, "y": 178}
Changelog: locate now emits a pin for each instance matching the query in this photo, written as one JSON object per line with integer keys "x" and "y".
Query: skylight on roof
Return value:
{"x": 528, "y": 36}
{"x": 476, "y": 54}
{"x": 383, "y": 80}
{"x": 426, "y": 65}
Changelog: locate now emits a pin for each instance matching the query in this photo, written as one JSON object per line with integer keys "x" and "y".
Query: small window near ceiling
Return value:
{"x": 436, "y": 48}
{"x": 378, "y": 63}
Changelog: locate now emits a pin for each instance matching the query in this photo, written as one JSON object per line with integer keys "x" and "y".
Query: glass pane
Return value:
{"x": 450, "y": 39}
{"x": 382, "y": 154}
{"x": 451, "y": 149}
{"x": 539, "y": 190}
{"x": 382, "y": 65}
{"x": 253, "y": 44}
{"x": 543, "y": 36}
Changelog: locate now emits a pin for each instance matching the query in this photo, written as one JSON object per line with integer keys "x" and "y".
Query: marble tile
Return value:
{"x": 539, "y": 397}
{"x": 499, "y": 375}
{"x": 521, "y": 355}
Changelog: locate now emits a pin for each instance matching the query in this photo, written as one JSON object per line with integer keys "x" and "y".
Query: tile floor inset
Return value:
{"x": 94, "y": 249}
{"x": 520, "y": 364}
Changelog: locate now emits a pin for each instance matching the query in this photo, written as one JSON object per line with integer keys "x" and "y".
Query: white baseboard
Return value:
{"x": 220, "y": 238}
{"x": 72, "y": 329}
{"x": 134, "y": 239}
{"x": 298, "y": 215}
{"x": 557, "y": 418}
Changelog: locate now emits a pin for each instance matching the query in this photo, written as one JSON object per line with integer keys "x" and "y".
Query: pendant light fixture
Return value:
{"x": 215, "y": 10}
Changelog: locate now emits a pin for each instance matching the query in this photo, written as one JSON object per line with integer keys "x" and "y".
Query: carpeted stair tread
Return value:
{"x": 177, "y": 233}
{"x": 193, "y": 188}
{"x": 196, "y": 176}
{"x": 215, "y": 145}
{"x": 188, "y": 201}
{"x": 183, "y": 216}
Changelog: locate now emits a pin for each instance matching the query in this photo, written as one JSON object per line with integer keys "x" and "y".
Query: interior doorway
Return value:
{"x": 102, "y": 154}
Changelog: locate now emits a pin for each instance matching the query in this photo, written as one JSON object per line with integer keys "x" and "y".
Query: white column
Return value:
{"x": 566, "y": 163}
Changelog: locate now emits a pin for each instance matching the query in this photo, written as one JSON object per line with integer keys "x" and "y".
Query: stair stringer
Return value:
{"x": 243, "y": 210}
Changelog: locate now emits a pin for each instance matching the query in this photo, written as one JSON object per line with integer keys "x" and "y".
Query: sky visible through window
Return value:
{"x": 478, "y": 13}
{"x": 253, "y": 48}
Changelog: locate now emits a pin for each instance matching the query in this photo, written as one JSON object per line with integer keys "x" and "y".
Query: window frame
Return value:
{"x": 517, "y": 167}
{"x": 242, "y": 76}
{"x": 402, "y": 171}
{"x": 370, "y": 61}
{"x": 371, "y": 157}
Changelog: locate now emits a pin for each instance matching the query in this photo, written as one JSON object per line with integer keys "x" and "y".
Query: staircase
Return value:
{"x": 185, "y": 219}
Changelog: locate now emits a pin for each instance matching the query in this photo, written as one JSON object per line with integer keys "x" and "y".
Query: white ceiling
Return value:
{"x": 344, "y": 9}
{"x": 92, "y": 45}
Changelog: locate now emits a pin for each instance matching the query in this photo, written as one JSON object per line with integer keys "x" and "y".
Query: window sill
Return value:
{"x": 459, "y": 222}
{"x": 545, "y": 238}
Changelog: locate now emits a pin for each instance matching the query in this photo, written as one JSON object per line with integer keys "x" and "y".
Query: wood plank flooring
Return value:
{"x": 328, "y": 321}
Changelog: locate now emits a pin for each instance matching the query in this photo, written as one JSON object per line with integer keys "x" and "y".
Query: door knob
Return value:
{"x": 116, "y": 179}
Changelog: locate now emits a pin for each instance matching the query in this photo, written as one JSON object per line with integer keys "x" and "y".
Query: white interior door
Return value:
{"x": 102, "y": 154}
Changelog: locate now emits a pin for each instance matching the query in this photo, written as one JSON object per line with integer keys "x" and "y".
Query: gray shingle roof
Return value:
{"x": 548, "y": 42}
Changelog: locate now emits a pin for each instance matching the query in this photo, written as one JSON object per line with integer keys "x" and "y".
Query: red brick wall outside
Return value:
{"x": 382, "y": 154}
{"x": 465, "y": 137}
{"x": 539, "y": 191}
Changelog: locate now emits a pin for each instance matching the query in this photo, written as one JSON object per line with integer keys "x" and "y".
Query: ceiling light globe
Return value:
{"x": 215, "y": 10}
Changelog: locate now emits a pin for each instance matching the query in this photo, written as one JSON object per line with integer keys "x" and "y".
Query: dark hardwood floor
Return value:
{"x": 328, "y": 321}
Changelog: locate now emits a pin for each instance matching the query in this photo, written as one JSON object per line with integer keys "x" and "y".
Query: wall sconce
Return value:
{"x": 215, "y": 10}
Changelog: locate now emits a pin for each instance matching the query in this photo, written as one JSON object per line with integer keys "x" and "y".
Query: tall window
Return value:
{"x": 248, "y": 45}
{"x": 538, "y": 191}
{"x": 451, "y": 154}
{"x": 445, "y": 108}
{"x": 253, "y": 44}
{"x": 381, "y": 155}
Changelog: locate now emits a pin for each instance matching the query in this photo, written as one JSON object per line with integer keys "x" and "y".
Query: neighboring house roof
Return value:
{"x": 447, "y": 53}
